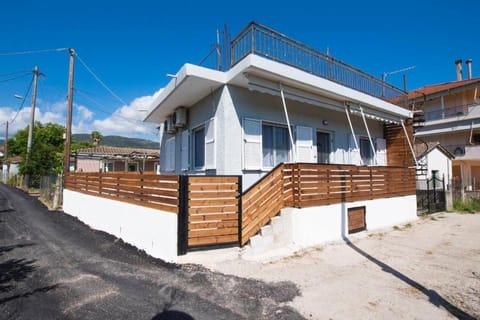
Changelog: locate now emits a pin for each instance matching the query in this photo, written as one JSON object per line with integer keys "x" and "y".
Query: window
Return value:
{"x": 108, "y": 167}
{"x": 132, "y": 167}
{"x": 199, "y": 148}
{"x": 170, "y": 154}
{"x": 366, "y": 151}
{"x": 275, "y": 145}
{"x": 202, "y": 146}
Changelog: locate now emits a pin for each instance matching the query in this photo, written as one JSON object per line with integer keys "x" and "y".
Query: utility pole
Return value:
{"x": 32, "y": 123}
{"x": 68, "y": 133}
{"x": 5, "y": 161}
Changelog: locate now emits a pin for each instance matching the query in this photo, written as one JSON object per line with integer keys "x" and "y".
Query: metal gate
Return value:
{"x": 431, "y": 195}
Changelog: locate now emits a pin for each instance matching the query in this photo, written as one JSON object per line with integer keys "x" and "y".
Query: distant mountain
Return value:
{"x": 118, "y": 141}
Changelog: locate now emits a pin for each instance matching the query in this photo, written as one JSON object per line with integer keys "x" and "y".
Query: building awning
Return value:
{"x": 193, "y": 83}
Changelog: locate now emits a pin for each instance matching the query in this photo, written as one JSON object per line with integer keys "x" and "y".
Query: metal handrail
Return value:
{"x": 450, "y": 112}
{"x": 263, "y": 41}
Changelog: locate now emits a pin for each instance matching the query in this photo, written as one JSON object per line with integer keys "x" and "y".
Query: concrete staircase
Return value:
{"x": 273, "y": 239}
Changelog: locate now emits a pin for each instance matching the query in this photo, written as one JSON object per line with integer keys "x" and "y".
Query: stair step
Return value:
{"x": 266, "y": 230}
{"x": 261, "y": 242}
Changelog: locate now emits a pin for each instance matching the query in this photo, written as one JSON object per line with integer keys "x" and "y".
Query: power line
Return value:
{"x": 99, "y": 80}
{"x": 87, "y": 96}
{"x": 23, "y": 101}
{"x": 17, "y": 53}
{"x": 13, "y": 72}
{"x": 15, "y": 78}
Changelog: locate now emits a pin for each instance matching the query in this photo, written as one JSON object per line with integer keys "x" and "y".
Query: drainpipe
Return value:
{"x": 288, "y": 124}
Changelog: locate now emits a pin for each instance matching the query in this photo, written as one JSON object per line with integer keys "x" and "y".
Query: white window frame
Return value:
{"x": 279, "y": 125}
{"x": 185, "y": 150}
{"x": 372, "y": 159}
{"x": 331, "y": 143}
{"x": 194, "y": 143}
{"x": 170, "y": 154}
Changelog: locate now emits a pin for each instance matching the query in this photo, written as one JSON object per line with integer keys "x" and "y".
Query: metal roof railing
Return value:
{"x": 263, "y": 41}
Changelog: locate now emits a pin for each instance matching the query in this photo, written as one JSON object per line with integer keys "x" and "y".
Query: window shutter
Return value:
{"x": 184, "y": 151}
{"x": 170, "y": 155}
{"x": 210, "y": 144}
{"x": 252, "y": 144}
{"x": 381, "y": 151}
{"x": 354, "y": 152}
{"x": 304, "y": 144}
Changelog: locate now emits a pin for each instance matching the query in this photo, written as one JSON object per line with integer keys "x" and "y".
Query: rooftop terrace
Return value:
{"x": 263, "y": 41}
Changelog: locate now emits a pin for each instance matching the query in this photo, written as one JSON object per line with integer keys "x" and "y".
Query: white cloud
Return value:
{"x": 125, "y": 121}
{"x": 128, "y": 120}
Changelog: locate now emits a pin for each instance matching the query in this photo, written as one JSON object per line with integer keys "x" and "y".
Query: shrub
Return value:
{"x": 469, "y": 206}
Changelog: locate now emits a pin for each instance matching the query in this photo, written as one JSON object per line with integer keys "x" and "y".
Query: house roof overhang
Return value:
{"x": 193, "y": 83}
{"x": 437, "y": 90}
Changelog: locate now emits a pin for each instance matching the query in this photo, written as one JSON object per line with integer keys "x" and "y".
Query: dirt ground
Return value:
{"x": 429, "y": 269}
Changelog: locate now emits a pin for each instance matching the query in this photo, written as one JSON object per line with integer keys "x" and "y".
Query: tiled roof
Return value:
{"x": 435, "y": 88}
{"x": 422, "y": 149}
{"x": 117, "y": 151}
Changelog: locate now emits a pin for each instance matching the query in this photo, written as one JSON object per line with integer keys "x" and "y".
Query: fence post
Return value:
{"x": 240, "y": 224}
{"x": 428, "y": 196}
{"x": 182, "y": 224}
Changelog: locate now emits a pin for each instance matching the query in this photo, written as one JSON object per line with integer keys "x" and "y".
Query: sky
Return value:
{"x": 125, "y": 49}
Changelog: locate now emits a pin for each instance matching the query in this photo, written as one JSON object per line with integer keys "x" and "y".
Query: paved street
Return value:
{"x": 52, "y": 266}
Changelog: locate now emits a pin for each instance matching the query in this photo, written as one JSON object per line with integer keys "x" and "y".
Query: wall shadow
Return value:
{"x": 433, "y": 297}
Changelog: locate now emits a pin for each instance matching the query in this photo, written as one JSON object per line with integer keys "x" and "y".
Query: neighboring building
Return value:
{"x": 290, "y": 105}
{"x": 433, "y": 159}
{"x": 452, "y": 118}
{"x": 113, "y": 159}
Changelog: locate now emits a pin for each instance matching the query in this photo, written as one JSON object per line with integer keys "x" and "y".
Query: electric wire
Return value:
{"x": 13, "y": 73}
{"x": 23, "y": 102}
{"x": 17, "y": 53}
{"x": 15, "y": 78}
{"x": 99, "y": 80}
{"x": 102, "y": 108}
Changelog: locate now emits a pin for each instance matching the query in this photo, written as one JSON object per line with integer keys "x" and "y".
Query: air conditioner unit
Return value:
{"x": 169, "y": 126}
{"x": 179, "y": 117}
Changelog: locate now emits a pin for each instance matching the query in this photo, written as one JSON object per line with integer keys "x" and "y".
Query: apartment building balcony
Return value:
{"x": 465, "y": 151}
{"x": 454, "y": 113}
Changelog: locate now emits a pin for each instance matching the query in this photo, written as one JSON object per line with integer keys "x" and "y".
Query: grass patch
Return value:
{"x": 396, "y": 228}
{"x": 467, "y": 206}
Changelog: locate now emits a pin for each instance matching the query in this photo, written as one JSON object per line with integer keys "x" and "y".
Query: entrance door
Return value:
{"x": 323, "y": 147}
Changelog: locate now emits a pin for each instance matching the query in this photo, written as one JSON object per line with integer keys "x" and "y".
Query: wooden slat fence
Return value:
{"x": 213, "y": 210}
{"x": 265, "y": 199}
{"x": 148, "y": 190}
{"x": 317, "y": 185}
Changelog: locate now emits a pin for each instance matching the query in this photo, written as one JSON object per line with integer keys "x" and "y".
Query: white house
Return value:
{"x": 262, "y": 112}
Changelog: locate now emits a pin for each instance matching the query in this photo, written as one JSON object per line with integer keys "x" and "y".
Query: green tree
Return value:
{"x": 46, "y": 155}
{"x": 96, "y": 138}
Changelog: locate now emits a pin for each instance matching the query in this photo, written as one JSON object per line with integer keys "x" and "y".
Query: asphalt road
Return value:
{"x": 52, "y": 266}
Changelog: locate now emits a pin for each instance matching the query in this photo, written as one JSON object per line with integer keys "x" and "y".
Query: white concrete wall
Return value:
{"x": 230, "y": 105}
{"x": 148, "y": 229}
{"x": 437, "y": 160}
{"x": 316, "y": 225}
